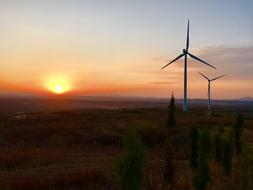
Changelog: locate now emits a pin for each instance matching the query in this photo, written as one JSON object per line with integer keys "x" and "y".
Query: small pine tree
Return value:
{"x": 130, "y": 165}
{"x": 56, "y": 141}
{"x": 171, "y": 121}
{"x": 194, "y": 135}
{"x": 202, "y": 176}
{"x": 205, "y": 142}
{"x": 217, "y": 145}
{"x": 169, "y": 169}
{"x": 237, "y": 133}
{"x": 231, "y": 141}
{"x": 227, "y": 156}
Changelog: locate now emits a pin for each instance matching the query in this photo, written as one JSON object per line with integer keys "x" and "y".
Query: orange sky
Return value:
{"x": 91, "y": 48}
{"x": 134, "y": 76}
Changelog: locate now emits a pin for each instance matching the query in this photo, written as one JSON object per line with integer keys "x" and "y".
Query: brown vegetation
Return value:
{"x": 76, "y": 149}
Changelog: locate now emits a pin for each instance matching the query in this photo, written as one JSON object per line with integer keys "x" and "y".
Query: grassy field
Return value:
{"x": 76, "y": 149}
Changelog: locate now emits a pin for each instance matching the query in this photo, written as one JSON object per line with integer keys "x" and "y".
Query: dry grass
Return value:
{"x": 76, "y": 149}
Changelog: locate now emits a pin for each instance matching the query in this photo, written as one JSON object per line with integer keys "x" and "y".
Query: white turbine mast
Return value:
{"x": 185, "y": 53}
{"x": 209, "y": 88}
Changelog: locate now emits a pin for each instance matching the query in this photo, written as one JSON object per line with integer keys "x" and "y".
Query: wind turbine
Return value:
{"x": 209, "y": 88}
{"x": 185, "y": 53}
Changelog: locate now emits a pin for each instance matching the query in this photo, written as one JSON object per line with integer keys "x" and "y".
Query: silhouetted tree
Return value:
{"x": 171, "y": 121}
{"x": 202, "y": 176}
{"x": 194, "y": 135}
{"x": 169, "y": 169}
{"x": 226, "y": 156}
{"x": 237, "y": 133}
{"x": 130, "y": 164}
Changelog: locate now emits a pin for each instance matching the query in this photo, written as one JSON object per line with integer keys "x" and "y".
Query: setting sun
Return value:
{"x": 58, "y": 89}
{"x": 58, "y": 85}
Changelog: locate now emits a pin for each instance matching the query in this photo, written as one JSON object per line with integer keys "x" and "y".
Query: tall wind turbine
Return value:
{"x": 185, "y": 53}
{"x": 209, "y": 88}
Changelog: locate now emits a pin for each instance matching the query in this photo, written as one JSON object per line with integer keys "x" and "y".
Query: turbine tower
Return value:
{"x": 185, "y": 53}
{"x": 209, "y": 88}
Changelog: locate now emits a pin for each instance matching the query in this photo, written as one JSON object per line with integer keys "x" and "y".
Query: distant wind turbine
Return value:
{"x": 209, "y": 88}
{"x": 185, "y": 53}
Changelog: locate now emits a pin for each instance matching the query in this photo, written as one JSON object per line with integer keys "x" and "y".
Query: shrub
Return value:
{"x": 130, "y": 165}
{"x": 202, "y": 176}
{"x": 238, "y": 133}
{"x": 55, "y": 141}
{"x": 227, "y": 156}
{"x": 205, "y": 143}
{"x": 244, "y": 172}
{"x": 150, "y": 135}
{"x": 217, "y": 145}
{"x": 108, "y": 139}
{"x": 194, "y": 135}
{"x": 169, "y": 169}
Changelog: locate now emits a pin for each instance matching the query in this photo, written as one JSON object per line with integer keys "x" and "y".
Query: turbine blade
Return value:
{"x": 178, "y": 57}
{"x": 194, "y": 57}
{"x": 217, "y": 77}
{"x": 187, "y": 40}
{"x": 204, "y": 76}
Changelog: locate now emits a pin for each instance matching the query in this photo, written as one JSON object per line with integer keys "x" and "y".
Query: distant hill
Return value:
{"x": 247, "y": 98}
{"x": 66, "y": 103}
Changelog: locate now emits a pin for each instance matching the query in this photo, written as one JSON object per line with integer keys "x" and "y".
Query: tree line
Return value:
{"x": 129, "y": 166}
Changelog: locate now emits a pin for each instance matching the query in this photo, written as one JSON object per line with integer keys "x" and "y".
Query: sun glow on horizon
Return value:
{"x": 59, "y": 89}
{"x": 58, "y": 85}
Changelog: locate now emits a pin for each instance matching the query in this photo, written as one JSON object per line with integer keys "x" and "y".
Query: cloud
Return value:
{"x": 234, "y": 61}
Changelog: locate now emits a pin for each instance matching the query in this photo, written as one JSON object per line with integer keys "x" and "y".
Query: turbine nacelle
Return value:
{"x": 185, "y": 51}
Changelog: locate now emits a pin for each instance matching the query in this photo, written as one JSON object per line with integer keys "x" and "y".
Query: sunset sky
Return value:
{"x": 117, "y": 47}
